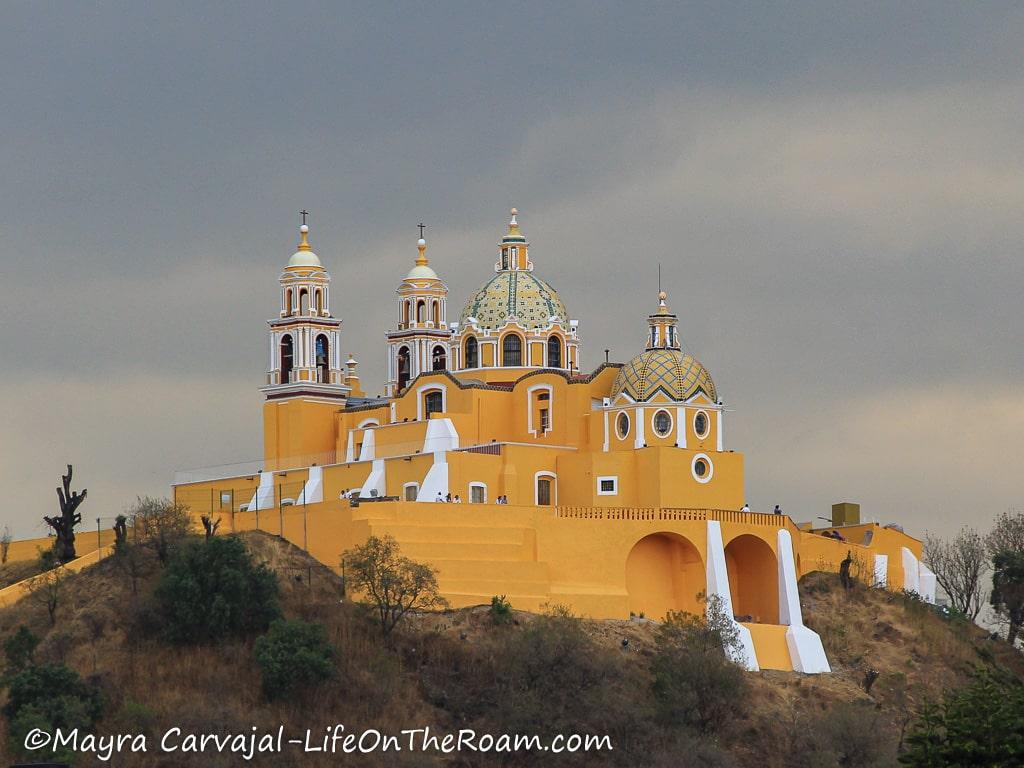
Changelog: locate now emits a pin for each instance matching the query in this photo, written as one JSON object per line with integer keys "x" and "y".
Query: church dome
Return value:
{"x": 515, "y": 293}
{"x": 422, "y": 270}
{"x": 304, "y": 257}
{"x": 674, "y": 373}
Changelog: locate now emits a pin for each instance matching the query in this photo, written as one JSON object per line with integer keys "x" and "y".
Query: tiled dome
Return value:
{"x": 520, "y": 293}
{"x": 678, "y": 375}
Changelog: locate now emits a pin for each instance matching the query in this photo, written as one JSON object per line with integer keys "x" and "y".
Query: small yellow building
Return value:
{"x": 493, "y": 457}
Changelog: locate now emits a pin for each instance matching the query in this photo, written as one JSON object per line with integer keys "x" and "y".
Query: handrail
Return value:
{"x": 695, "y": 514}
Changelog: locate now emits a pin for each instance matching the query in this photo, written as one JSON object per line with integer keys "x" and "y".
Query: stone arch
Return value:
{"x": 753, "y": 579}
{"x": 664, "y": 572}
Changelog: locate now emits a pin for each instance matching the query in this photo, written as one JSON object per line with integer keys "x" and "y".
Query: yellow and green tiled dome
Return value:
{"x": 514, "y": 293}
{"x": 674, "y": 373}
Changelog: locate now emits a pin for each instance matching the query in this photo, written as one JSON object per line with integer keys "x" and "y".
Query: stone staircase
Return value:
{"x": 475, "y": 563}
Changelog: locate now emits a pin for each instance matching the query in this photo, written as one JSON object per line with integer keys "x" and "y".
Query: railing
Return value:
{"x": 494, "y": 449}
{"x": 252, "y": 468}
{"x": 673, "y": 514}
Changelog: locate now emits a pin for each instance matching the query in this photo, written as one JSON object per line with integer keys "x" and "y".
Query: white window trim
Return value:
{"x": 615, "y": 487}
{"x": 423, "y": 389}
{"x": 711, "y": 468}
{"x": 529, "y": 406}
{"x": 368, "y": 423}
{"x": 618, "y": 432}
{"x": 671, "y": 422}
{"x": 554, "y": 485}
{"x": 406, "y": 486}
{"x": 471, "y": 486}
{"x": 707, "y": 419}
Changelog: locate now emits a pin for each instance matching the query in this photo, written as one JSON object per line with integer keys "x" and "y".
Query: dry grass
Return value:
{"x": 446, "y": 656}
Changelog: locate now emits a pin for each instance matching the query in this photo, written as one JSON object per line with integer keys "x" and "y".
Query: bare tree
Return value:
{"x": 5, "y": 544}
{"x": 960, "y": 566}
{"x": 47, "y": 588}
{"x": 160, "y": 525}
{"x": 64, "y": 526}
{"x": 210, "y": 526}
{"x": 394, "y": 583}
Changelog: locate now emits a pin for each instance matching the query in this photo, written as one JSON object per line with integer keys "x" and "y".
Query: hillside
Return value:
{"x": 458, "y": 669}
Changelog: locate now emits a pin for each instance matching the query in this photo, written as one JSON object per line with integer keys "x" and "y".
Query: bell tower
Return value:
{"x": 422, "y": 340}
{"x": 305, "y": 376}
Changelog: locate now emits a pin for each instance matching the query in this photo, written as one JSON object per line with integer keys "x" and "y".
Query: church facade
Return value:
{"x": 610, "y": 491}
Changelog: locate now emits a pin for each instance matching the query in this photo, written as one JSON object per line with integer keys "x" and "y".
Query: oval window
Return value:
{"x": 702, "y": 468}
{"x": 700, "y": 424}
{"x": 622, "y": 424}
{"x": 662, "y": 423}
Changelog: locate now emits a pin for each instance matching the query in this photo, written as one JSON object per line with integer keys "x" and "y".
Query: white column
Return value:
{"x": 638, "y": 441}
{"x": 718, "y": 429}
{"x": 680, "y": 427}
{"x": 606, "y": 430}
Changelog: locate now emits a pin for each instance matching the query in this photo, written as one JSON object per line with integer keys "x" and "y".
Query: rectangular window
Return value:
{"x": 545, "y": 420}
{"x": 477, "y": 494}
{"x": 608, "y": 486}
{"x": 411, "y": 491}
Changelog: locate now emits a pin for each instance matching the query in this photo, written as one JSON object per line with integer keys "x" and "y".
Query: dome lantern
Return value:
{"x": 664, "y": 367}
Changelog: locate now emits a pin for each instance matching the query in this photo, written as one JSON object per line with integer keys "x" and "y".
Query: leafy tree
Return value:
{"x": 696, "y": 681}
{"x": 19, "y": 649}
{"x": 161, "y": 525}
{"x": 960, "y": 566}
{"x": 213, "y": 589}
{"x": 292, "y": 655}
{"x": 394, "y": 583}
{"x": 49, "y": 696}
{"x": 981, "y": 724}
{"x": 1007, "y": 534}
{"x": 1008, "y": 591}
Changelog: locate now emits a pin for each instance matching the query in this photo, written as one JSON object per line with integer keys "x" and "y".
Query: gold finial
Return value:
{"x": 421, "y": 260}
{"x": 304, "y": 238}
{"x": 513, "y": 226}
{"x": 662, "y": 306}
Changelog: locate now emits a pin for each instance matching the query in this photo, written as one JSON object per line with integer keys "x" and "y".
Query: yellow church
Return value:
{"x": 497, "y": 459}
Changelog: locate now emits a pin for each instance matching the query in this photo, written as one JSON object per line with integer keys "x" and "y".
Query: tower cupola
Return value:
{"x": 420, "y": 341}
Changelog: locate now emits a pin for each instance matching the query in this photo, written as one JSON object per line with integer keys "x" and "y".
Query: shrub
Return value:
{"x": 212, "y": 590}
{"x": 19, "y": 649}
{"x": 696, "y": 683}
{"x": 501, "y": 610}
{"x": 49, "y": 696}
{"x": 293, "y": 654}
{"x": 980, "y": 724}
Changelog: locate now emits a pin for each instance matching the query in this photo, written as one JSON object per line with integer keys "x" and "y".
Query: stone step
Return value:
{"x": 491, "y": 570}
{"x": 435, "y": 551}
{"x": 449, "y": 533}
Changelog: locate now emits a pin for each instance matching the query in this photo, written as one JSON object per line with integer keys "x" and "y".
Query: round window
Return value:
{"x": 702, "y": 468}
{"x": 622, "y": 424}
{"x": 700, "y": 424}
{"x": 662, "y": 423}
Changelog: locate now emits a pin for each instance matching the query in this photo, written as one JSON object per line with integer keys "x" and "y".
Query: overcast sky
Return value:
{"x": 834, "y": 191}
